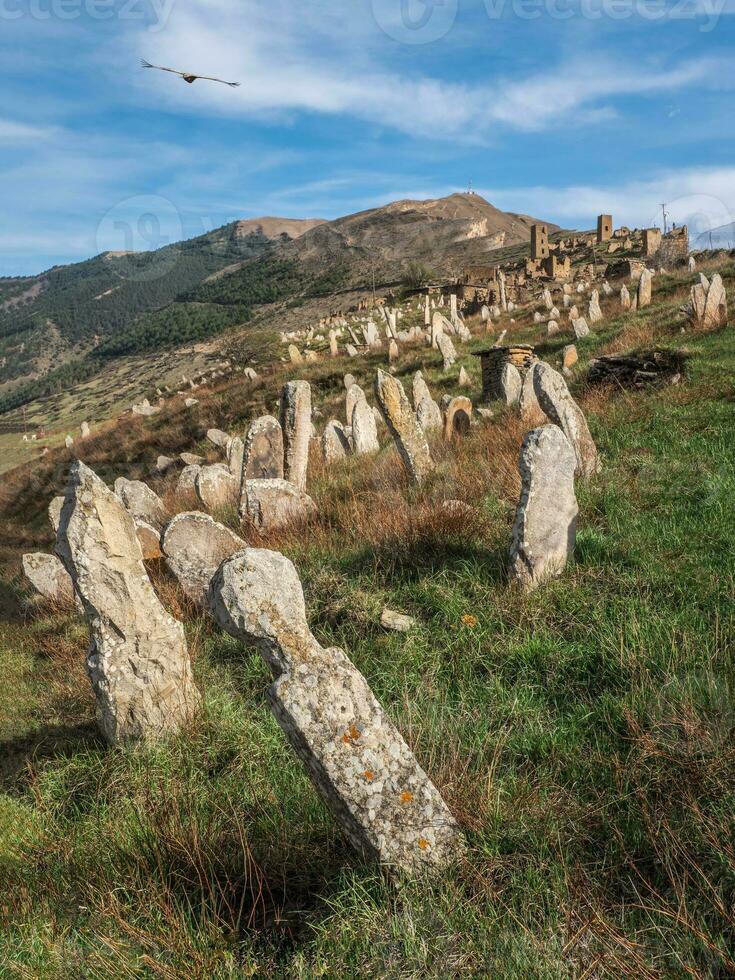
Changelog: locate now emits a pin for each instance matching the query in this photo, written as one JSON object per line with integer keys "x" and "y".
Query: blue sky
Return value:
{"x": 557, "y": 108}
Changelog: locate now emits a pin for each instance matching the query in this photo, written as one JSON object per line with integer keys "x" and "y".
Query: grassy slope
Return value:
{"x": 583, "y": 734}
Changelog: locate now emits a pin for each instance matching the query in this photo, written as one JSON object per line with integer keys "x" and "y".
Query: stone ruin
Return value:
{"x": 604, "y": 228}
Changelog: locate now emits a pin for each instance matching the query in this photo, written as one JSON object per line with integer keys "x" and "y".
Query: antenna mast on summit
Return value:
{"x": 469, "y": 187}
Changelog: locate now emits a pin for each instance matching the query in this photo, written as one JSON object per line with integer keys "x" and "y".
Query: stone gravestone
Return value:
{"x": 335, "y": 443}
{"x": 644, "y": 289}
{"x": 296, "y": 426}
{"x": 195, "y": 545}
{"x": 142, "y": 502}
{"x": 447, "y": 350}
{"x": 263, "y": 456}
{"x": 555, "y": 399}
{"x": 216, "y": 487}
{"x": 359, "y": 763}
{"x": 138, "y": 662}
{"x": 458, "y": 417}
{"x": 364, "y": 429}
{"x": 707, "y": 309}
{"x": 403, "y": 426}
{"x": 545, "y": 527}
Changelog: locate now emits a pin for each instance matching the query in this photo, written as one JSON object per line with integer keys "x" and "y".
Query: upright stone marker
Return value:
{"x": 555, "y": 399}
{"x": 644, "y": 289}
{"x": 364, "y": 429}
{"x": 359, "y": 763}
{"x": 403, "y": 426}
{"x": 296, "y": 426}
{"x": 263, "y": 457}
{"x": 545, "y": 527}
{"x": 138, "y": 662}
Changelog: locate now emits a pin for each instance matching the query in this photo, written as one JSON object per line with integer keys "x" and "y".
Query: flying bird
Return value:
{"x": 188, "y": 77}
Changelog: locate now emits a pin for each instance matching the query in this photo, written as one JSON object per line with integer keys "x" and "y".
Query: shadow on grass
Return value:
{"x": 12, "y": 609}
{"x": 412, "y": 562}
{"x": 19, "y": 755}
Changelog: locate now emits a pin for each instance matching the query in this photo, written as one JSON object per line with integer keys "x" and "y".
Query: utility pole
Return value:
{"x": 663, "y": 212}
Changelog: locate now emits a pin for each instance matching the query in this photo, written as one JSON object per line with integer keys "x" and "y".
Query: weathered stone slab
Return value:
{"x": 335, "y": 443}
{"x": 644, "y": 289}
{"x": 54, "y": 512}
{"x": 195, "y": 545}
{"x": 545, "y": 527}
{"x": 707, "y": 309}
{"x": 429, "y": 415}
{"x": 236, "y": 457}
{"x": 138, "y": 662}
{"x": 403, "y": 426}
{"x": 142, "y": 502}
{"x": 528, "y": 405}
{"x": 398, "y": 622}
{"x": 364, "y": 429}
{"x": 296, "y": 426}
{"x": 216, "y": 488}
{"x": 359, "y": 763}
{"x": 580, "y": 328}
{"x": 49, "y": 578}
{"x": 555, "y": 399}
{"x": 263, "y": 454}
{"x": 272, "y": 504}
{"x": 447, "y": 350}
{"x": 510, "y": 384}
{"x": 594, "y": 312}
{"x": 186, "y": 484}
{"x": 458, "y": 417}
{"x": 149, "y": 540}
{"x": 624, "y": 297}
{"x": 218, "y": 438}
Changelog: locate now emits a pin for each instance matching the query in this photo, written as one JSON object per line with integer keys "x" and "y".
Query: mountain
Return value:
{"x": 64, "y": 325}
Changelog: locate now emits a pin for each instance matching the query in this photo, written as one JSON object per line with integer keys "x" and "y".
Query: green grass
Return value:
{"x": 583, "y": 735}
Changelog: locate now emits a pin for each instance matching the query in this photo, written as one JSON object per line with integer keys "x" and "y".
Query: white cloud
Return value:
{"x": 286, "y": 63}
{"x": 702, "y": 197}
{"x": 14, "y": 133}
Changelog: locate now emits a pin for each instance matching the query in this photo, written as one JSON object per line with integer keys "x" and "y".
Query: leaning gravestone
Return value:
{"x": 296, "y": 426}
{"x": 545, "y": 527}
{"x": 358, "y": 761}
{"x": 263, "y": 455}
{"x": 195, "y": 545}
{"x": 555, "y": 399}
{"x": 186, "y": 484}
{"x": 403, "y": 426}
{"x": 142, "y": 502}
{"x": 138, "y": 662}
{"x": 353, "y": 396}
{"x": 447, "y": 350}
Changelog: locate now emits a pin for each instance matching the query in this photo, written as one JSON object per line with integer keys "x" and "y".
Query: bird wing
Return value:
{"x": 208, "y": 78}
{"x": 147, "y": 64}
